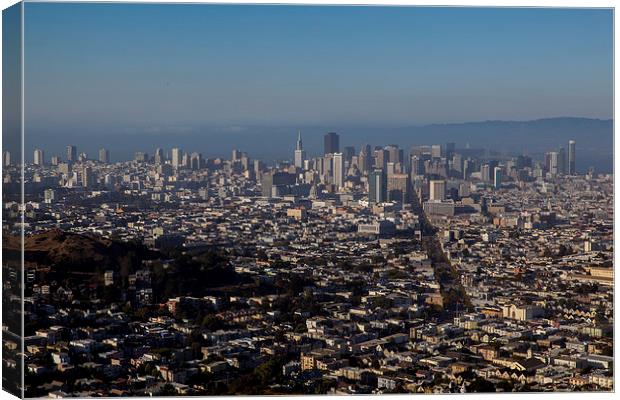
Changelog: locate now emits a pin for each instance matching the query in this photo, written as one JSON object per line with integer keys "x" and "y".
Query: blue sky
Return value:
{"x": 141, "y": 67}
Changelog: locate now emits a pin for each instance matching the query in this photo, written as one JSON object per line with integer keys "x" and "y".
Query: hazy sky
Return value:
{"x": 140, "y": 68}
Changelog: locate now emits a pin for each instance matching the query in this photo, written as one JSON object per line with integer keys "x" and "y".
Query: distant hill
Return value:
{"x": 594, "y": 139}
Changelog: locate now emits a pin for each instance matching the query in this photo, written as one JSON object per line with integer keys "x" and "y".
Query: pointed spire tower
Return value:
{"x": 299, "y": 143}
{"x": 300, "y": 153}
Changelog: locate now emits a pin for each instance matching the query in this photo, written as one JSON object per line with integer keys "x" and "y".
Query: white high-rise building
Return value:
{"x": 338, "y": 161}
{"x": 177, "y": 157}
{"x": 300, "y": 153}
{"x": 437, "y": 190}
{"x": 6, "y": 158}
{"x": 39, "y": 157}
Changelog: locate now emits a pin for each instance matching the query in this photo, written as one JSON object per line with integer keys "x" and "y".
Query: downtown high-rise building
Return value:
{"x": 398, "y": 188}
{"x": 497, "y": 178}
{"x": 437, "y": 190}
{"x": 71, "y": 153}
{"x": 104, "y": 155}
{"x": 300, "y": 153}
{"x": 159, "y": 157}
{"x": 552, "y": 162}
{"x": 176, "y": 157}
{"x": 39, "y": 157}
{"x": 571, "y": 157}
{"x": 562, "y": 164}
{"x": 331, "y": 143}
{"x": 338, "y": 170}
{"x": 365, "y": 159}
{"x": 196, "y": 161}
{"x": 377, "y": 186}
{"x": 6, "y": 158}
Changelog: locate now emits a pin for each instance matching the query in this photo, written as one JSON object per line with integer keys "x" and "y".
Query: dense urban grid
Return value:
{"x": 375, "y": 270}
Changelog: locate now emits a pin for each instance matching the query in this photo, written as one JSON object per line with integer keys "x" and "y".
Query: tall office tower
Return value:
{"x": 39, "y": 157}
{"x": 71, "y": 153}
{"x": 553, "y": 162}
{"x": 349, "y": 152}
{"x": 55, "y": 160}
{"x": 436, "y": 151}
{"x": 395, "y": 154}
{"x": 377, "y": 186}
{"x": 547, "y": 161}
{"x": 177, "y": 157}
{"x": 381, "y": 159}
{"x": 245, "y": 161}
{"x": 196, "y": 161}
{"x": 467, "y": 167}
{"x": 141, "y": 156}
{"x": 421, "y": 151}
{"x": 571, "y": 157}
{"x": 497, "y": 178}
{"x": 399, "y": 188}
{"x": 159, "y": 156}
{"x": 87, "y": 177}
{"x": 365, "y": 158}
{"x": 390, "y": 169}
{"x": 104, "y": 155}
{"x": 457, "y": 162}
{"x": 338, "y": 162}
{"x": 485, "y": 172}
{"x": 562, "y": 165}
{"x": 449, "y": 149}
{"x": 437, "y": 190}
{"x": 332, "y": 143}
{"x": 258, "y": 169}
{"x": 417, "y": 165}
{"x": 6, "y": 158}
{"x": 236, "y": 155}
{"x": 300, "y": 153}
{"x": 328, "y": 168}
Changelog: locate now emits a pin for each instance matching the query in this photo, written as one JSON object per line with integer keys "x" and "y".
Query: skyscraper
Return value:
{"x": 377, "y": 186}
{"x": 571, "y": 157}
{"x": 300, "y": 153}
{"x": 497, "y": 178}
{"x": 6, "y": 158}
{"x": 71, "y": 153}
{"x": 104, "y": 155}
{"x": 381, "y": 159}
{"x": 39, "y": 157}
{"x": 332, "y": 143}
{"x": 196, "y": 161}
{"x": 553, "y": 162}
{"x": 437, "y": 190}
{"x": 177, "y": 157}
{"x": 338, "y": 161}
{"x": 562, "y": 164}
{"x": 365, "y": 158}
{"x": 159, "y": 156}
{"x": 349, "y": 152}
{"x": 398, "y": 188}
{"x": 417, "y": 165}
{"x": 87, "y": 177}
